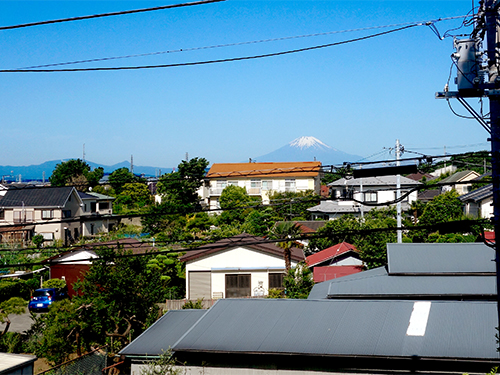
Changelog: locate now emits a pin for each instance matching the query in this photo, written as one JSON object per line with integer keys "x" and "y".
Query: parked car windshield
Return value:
{"x": 42, "y": 293}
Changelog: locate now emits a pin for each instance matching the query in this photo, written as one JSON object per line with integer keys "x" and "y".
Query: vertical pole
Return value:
{"x": 491, "y": 38}
{"x": 398, "y": 195}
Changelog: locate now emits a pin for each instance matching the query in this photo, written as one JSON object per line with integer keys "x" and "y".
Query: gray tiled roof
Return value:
{"x": 37, "y": 197}
{"x": 478, "y": 194}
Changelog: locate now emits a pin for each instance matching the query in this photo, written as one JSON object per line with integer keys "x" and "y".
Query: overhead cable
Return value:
{"x": 206, "y": 62}
{"x": 119, "y": 13}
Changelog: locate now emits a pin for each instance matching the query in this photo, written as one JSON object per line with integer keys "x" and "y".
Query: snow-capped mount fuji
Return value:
{"x": 308, "y": 149}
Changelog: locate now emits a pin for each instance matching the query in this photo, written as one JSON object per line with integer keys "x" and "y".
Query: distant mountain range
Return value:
{"x": 300, "y": 149}
{"x": 36, "y": 172}
{"x": 308, "y": 149}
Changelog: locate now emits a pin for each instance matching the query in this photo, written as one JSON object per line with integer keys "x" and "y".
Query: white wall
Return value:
{"x": 238, "y": 260}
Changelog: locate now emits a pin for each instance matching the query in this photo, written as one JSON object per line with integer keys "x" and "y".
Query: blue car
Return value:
{"x": 43, "y": 298}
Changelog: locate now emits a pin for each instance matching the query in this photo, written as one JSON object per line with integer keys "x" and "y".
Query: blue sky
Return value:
{"x": 358, "y": 97}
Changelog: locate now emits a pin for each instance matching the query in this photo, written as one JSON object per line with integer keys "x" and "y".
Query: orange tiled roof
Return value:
{"x": 285, "y": 169}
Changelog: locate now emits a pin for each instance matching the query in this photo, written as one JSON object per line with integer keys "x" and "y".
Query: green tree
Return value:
{"x": 285, "y": 231}
{"x": 172, "y": 274}
{"x": 372, "y": 245}
{"x": 14, "y": 305}
{"x": 291, "y": 205}
{"x": 181, "y": 187}
{"x": 121, "y": 176}
{"x": 54, "y": 283}
{"x": 259, "y": 222}
{"x": 298, "y": 282}
{"x": 37, "y": 240}
{"x": 76, "y": 172}
{"x": 132, "y": 197}
{"x": 116, "y": 301}
{"x": 234, "y": 201}
{"x": 344, "y": 229}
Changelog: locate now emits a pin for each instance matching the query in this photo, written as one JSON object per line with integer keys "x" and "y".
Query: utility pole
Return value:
{"x": 398, "y": 194}
{"x": 477, "y": 76}
{"x": 491, "y": 17}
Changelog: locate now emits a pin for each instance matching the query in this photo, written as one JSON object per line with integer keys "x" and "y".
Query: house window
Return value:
{"x": 2, "y": 215}
{"x": 370, "y": 197}
{"x": 104, "y": 206}
{"x": 93, "y": 207}
{"x": 232, "y": 183}
{"x": 255, "y": 183}
{"x": 238, "y": 285}
{"x": 66, "y": 214}
{"x": 221, "y": 184}
{"x": 290, "y": 185}
{"x": 17, "y": 216}
{"x": 267, "y": 185}
{"x": 405, "y": 199}
{"x": 47, "y": 236}
{"x": 276, "y": 280}
{"x": 46, "y": 214}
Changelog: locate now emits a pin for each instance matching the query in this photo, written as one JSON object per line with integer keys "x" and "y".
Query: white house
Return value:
{"x": 240, "y": 266}
{"x": 459, "y": 182}
{"x": 350, "y": 195}
{"x": 479, "y": 202}
{"x": 57, "y": 213}
{"x": 260, "y": 179}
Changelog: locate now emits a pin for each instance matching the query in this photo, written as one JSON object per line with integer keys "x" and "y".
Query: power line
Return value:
{"x": 227, "y": 45}
{"x": 206, "y": 62}
{"x": 231, "y": 240}
{"x": 110, "y": 14}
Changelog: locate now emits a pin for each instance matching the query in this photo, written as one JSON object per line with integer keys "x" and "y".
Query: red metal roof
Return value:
{"x": 330, "y": 253}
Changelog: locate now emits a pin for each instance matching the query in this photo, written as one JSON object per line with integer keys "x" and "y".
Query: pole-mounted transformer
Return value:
{"x": 468, "y": 61}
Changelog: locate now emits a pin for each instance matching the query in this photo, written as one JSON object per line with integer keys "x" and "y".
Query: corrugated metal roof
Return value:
{"x": 270, "y": 170}
{"x": 417, "y": 287}
{"x": 164, "y": 333}
{"x": 36, "y": 197}
{"x": 453, "y": 330}
{"x": 321, "y": 290}
{"x": 10, "y": 361}
{"x": 443, "y": 258}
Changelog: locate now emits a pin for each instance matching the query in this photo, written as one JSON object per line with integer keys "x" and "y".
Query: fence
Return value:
{"x": 88, "y": 364}
{"x": 176, "y": 304}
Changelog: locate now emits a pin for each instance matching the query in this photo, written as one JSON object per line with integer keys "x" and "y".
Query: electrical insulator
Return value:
{"x": 467, "y": 58}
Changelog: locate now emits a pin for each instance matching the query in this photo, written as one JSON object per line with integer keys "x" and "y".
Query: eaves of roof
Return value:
{"x": 242, "y": 240}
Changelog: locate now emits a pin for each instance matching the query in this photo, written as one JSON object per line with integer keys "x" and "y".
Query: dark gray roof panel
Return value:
{"x": 36, "y": 197}
{"x": 321, "y": 290}
{"x": 435, "y": 287}
{"x": 444, "y": 258}
{"x": 344, "y": 328}
{"x": 163, "y": 334}
{"x": 478, "y": 194}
